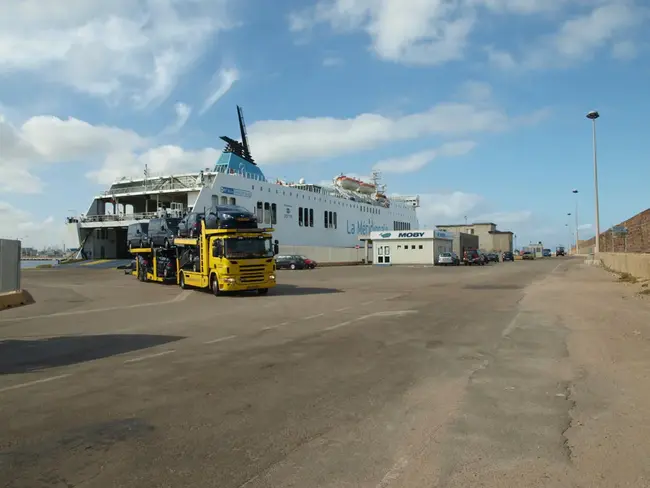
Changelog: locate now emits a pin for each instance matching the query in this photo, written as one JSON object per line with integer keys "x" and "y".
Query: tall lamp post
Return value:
{"x": 568, "y": 227}
{"x": 575, "y": 192}
{"x": 593, "y": 115}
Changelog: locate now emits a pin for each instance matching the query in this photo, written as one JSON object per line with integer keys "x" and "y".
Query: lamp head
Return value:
{"x": 593, "y": 115}
{"x": 574, "y": 190}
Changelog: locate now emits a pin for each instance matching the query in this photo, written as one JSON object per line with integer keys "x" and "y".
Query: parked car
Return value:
{"x": 448, "y": 259}
{"x": 507, "y": 256}
{"x": 483, "y": 256}
{"x": 493, "y": 257}
{"x": 230, "y": 217}
{"x": 546, "y": 253}
{"x": 137, "y": 235}
{"x": 190, "y": 225}
{"x": 471, "y": 257}
{"x": 311, "y": 264}
{"x": 290, "y": 262}
{"x": 527, "y": 255}
{"x": 162, "y": 231}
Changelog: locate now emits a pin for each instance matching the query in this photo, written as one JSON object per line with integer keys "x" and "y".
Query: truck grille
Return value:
{"x": 252, "y": 273}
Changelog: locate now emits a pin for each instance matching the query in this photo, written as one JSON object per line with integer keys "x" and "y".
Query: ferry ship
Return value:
{"x": 307, "y": 218}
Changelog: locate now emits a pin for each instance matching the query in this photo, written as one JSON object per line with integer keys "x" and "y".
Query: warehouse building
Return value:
{"x": 410, "y": 247}
{"x": 490, "y": 239}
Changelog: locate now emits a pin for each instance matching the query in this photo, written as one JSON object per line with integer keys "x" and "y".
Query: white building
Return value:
{"x": 410, "y": 247}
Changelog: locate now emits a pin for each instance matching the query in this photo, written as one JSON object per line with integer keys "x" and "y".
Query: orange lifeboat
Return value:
{"x": 347, "y": 183}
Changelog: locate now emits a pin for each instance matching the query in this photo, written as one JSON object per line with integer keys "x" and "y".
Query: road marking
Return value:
{"x": 366, "y": 303}
{"x": 313, "y": 316}
{"x": 178, "y": 298}
{"x": 342, "y": 309}
{"x": 342, "y": 324}
{"x": 35, "y": 382}
{"x": 270, "y": 328}
{"x": 149, "y": 356}
{"x": 389, "y": 313}
{"x": 220, "y": 339}
{"x": 392, "y": 297}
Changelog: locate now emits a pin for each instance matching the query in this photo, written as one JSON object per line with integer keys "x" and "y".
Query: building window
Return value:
{"x": 260, "y": 212}
{"x": 300, "y": 222}
{"x": 274, "y": 213}
{"x": 267, "y": 213}
{"x": 421, "y": 246}
{"x": 224, "y": 200}
{"x": 233, "y": 201}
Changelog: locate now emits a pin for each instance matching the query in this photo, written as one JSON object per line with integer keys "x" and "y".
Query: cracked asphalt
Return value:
{"x": 525, "y": 374}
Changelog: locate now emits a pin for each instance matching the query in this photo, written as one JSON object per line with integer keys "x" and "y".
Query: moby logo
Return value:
{"x": 385, "y": 235}
{"x": 410, "y": 234}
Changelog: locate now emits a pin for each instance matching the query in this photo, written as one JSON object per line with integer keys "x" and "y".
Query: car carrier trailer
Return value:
{"x": 219, "y": 260}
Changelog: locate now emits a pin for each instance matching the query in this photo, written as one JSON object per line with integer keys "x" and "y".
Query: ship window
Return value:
{"x": 260, "y": 213}
{"x": 252, "y": 187}
{"x": 267, "y": 213}
{"x": 330, "y": 219}
{"x": 311, "y": 217}
{"x": 274, "y": 213}
{"x": 326, "y": 219}
{"x": 335, "y": 220}
{"x": 233, "y": 201}
{"x": 300, "y": 216}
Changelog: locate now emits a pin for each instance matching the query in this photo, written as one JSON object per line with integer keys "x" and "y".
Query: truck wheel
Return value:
{"x": 262, "y": 291}
{"x": 214, "y": 285}
{"x": 181, "y": 281}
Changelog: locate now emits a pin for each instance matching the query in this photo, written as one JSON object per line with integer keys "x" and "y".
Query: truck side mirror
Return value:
{"x": 276, "y": 249}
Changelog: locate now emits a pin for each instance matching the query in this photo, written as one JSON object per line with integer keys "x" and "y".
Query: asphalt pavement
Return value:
{"x": 340, "y": 377}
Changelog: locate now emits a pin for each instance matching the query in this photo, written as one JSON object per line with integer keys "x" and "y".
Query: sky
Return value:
{"x": 478, "y": 106}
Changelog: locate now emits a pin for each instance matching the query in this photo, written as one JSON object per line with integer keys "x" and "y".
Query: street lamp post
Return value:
{"x": 575, "y": 192}
{"x": 593, "y": 115}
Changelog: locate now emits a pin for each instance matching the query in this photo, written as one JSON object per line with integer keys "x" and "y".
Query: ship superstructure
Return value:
{"x": 303, "y": 214}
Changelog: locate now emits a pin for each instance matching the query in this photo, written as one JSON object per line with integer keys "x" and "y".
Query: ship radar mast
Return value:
{"x": 376, "y": 178}
{"x": 241, "y": 149}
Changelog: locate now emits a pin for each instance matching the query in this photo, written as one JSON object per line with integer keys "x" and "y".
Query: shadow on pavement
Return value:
{"x": 29, "y": 355}
{"x": 288, "y": 290}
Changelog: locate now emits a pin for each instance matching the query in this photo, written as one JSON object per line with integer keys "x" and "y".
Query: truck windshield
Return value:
{"x": 248, "y": 248}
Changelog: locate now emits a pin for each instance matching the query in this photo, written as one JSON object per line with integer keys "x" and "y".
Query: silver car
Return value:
{"x": 448, "y": 258}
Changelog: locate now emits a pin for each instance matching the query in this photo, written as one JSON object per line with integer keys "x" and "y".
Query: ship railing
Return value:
{"x": 243, "y": 174}
{"x": 118, "y": 217}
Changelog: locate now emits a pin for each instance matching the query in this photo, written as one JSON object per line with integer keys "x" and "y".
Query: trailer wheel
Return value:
{"x": 181, "y": 281}
{"x": 214, "y": 285}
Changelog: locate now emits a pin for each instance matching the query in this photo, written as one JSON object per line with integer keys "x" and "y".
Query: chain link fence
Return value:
{"x": 9, "y": 266}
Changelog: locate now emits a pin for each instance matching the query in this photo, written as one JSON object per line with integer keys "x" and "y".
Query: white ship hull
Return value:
{"x": 353, "y": 218}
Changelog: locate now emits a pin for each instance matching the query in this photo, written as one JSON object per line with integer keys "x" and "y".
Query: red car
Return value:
{"x": 309, "y": 263}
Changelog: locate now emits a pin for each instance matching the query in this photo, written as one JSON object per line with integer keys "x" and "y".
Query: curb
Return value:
{"x": 15, "y": 299}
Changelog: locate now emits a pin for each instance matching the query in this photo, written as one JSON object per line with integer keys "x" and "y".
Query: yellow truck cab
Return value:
{"x": 226, "y": 260}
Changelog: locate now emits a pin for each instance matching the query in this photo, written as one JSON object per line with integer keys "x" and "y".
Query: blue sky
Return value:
{"x": 478, "y": 106}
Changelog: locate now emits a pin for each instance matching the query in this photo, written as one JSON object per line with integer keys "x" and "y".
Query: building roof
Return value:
{"x": 499, "y": 232}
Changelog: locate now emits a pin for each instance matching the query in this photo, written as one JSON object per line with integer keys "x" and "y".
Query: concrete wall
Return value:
{"x": 637, "y": 264}
{"x": 501, "y": 242}
{"x": 326, "y": 254}
{"x": 9, "y": 266}
{"x": 637, "y": 239}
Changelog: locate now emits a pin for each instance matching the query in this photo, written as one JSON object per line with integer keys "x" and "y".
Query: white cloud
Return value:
{"x": 332, "y": 61}
{"x": 432, "y": 32}
{"x": 285, "y": 141}
{"x": 446, "y": 208}
{"x": 475, "y": 91}
{"x": 119, "y": 49}
{"x": 411, "y": 31}
{"x": 222, "y": 82}
{"x": 34, "y": 232}
{"x": 183, "y": 112}
{"x": 416, "y": 161}
{"x": 159, "y": 160}
{"x": 579, "y": 38}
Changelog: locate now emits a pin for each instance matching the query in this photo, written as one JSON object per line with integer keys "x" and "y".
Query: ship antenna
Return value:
{"x": 244, "y": 136}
